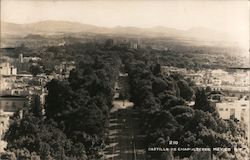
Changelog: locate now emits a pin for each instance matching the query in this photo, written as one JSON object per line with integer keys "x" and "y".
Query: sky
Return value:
{"x": 231, "y": 16}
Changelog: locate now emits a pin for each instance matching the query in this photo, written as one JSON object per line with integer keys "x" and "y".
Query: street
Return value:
{"x": 123, "y": 134}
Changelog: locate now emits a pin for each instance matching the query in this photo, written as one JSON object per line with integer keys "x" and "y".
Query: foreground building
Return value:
{"x": 7, "y": 70}
{"x": 12, "y": 103}
{"x": 239, "y": 109}
{"x": 8, "y": 106}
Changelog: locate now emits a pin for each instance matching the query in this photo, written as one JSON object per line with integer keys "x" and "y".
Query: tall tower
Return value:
{"x": 20, "y": 57}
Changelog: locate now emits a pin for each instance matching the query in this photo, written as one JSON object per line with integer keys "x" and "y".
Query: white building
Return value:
{"x": 219, "y": 73}
{"x": 15, "y": 92}
{"x": 20, "y": 57}
{"x": 234, "y": 109}
{"x": 4, "y": 121}
{"x": 133, "y": 45}
{"x": 4, "y": 125}
{"x": 242, "y": 78}
{"x": 238, "y": 109}
{"x": 31, "y": 59}
{"x": 196, "y": 77}
{"x": 6, "y": 69}
{"x": 216, "y": 81}
{"x": 173, "y": 70}
{"x": 4, "y": 84}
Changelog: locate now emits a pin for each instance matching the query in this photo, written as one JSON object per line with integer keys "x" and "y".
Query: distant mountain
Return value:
{"x": 48, "y": 27}
{"x": 12, "y": 28}
{"x": 62, "y": 26}
{"x": 55, "y": 27}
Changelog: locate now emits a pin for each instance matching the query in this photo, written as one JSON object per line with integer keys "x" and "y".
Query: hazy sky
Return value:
{"x": 227, "y": 16}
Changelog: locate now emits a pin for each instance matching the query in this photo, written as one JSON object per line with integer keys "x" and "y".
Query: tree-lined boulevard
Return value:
{"x": 124, "y": 141}
{"x": 84, "y": 119}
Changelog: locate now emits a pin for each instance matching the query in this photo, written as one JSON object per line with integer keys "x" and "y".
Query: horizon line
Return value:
{"x": 117, "y": 26}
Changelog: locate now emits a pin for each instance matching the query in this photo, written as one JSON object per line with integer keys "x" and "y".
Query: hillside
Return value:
{"x": 56, "y": 27}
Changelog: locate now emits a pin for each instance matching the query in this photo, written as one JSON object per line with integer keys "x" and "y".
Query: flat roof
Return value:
{"x": 12, "y": 96}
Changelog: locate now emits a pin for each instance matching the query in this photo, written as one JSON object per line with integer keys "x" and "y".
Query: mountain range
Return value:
{"x": 59, "y": 27}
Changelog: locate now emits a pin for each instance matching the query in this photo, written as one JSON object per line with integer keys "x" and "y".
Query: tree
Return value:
{"x": 86, "y": 95}
{"x": 186, "y": 92}
{"x": 34, "y": 134}
{"x": 35, "y": 69}
{"x": 156, "y": 69}
{"x": 36, "y": 105}
{"x": 59, "y": 99}
{"x": 202, "y": 103}
{"x": 208, "y": 89}
{"x": 159, "y": 85}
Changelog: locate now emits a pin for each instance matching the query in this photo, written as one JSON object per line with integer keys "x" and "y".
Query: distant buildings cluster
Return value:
{"x": 123, "y": 44}
{"x": 64, "y": 68}
{"x": 235, "y": 83}
{"x": 231, "y": 91}
{"x": 23, "y": 59}
{"x": 20, "y": 89}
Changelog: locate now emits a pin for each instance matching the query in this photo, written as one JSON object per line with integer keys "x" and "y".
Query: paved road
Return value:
{"x": 123, "y": 134}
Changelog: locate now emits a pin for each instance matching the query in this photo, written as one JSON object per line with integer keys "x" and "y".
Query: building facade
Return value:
{"x": 6, "y": 69}
{"x": 239, "y": 109}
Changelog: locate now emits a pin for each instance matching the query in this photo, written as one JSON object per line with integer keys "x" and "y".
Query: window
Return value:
{"x": 226, "y": 109}
{"x": 232, "y": 113}
{"x": 220, "y": 109}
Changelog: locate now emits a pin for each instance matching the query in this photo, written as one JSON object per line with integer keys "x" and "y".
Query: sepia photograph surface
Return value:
{"x": 124, "y": 80}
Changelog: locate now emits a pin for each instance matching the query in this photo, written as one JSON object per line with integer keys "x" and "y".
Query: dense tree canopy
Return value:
{"x": 77, "y": 108}
{"x": 161, "y": 100}
{"x": 35, "y": 69}
{"x": 76, "y": 113}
